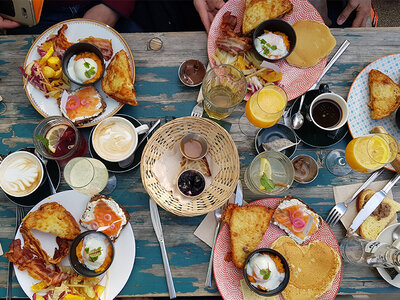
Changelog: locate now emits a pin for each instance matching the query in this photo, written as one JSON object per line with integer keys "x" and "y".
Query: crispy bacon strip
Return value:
{"x": 25, "y": 259}
{"x": 104, "y": 45}
{"x": 33, "y": 244}
{"x": 229, "y": 40}
{"x": 60, "y": 41}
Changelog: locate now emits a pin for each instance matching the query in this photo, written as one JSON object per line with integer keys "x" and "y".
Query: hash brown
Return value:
{"x": 258, "y": 11}
{"x": 118, "y": 81}
{"x": 248, "y": 225}
{"x": 53, "y": 218}
{"x": 384, "y": 94}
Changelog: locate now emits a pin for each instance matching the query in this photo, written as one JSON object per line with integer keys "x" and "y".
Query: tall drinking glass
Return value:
{"x": 224, "y": 87}
{"x": 263, "y": 109}
{"x": 88, "y": 176}
{"x": 57, "y": 138}
{"x": 371, "y": 152}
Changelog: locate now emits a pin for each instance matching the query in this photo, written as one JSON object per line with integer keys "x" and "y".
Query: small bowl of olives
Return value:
{"x": 191, "y": 183}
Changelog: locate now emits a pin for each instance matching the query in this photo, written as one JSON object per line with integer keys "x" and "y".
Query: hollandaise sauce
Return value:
{"x": 272, "y": 45}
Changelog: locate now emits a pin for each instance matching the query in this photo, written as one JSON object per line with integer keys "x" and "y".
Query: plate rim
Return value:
{"x": 324, "y": 60}
{"x": 351, "y": 87}
{"x": 380, "y": 270}
{"x": 106, "y": 27}
{"x": 48, "y": 199}
{"x": 256, "y": 202}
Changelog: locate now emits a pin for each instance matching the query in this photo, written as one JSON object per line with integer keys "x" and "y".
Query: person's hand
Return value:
{"x": 102, "y": 13}
{"x": 362, "y": 8}
{"x": 8, "y": 24}
{"x": 207, "y": 10}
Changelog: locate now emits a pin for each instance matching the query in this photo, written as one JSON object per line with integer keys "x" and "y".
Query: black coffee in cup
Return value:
{"x": 326, "y": 113}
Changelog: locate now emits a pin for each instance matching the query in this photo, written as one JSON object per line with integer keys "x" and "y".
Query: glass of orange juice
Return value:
{"x": 263, "y": 109}
{"x": 371, "y": 152}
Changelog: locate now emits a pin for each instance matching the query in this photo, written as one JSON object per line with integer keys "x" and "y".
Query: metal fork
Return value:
{"x": 337, "y": 212}
{"x": 19, "y": 215}
{"x": 197, "y": 111}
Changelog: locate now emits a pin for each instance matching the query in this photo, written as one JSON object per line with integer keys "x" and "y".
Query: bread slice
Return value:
{"x": 83, "y": 113}
{"x": 384, "y": 94}
{"x": 380, "y": 218}
{"x": 258, "y": 11}
{"x": 200, "y": 165}
{"x": 53, "y": 218}
{"x": 118, "y": 81}
{"x": 248, "y": 225}
{"x": 102, "y": 211}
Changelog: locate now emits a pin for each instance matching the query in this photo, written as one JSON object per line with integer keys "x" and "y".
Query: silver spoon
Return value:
{"x": 298, "y": 118}
{"x": 128, "y": 161}
{"x": 396, "y": 233}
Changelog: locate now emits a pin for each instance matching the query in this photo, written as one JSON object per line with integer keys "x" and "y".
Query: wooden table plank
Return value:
{"x": 161, "y": 94}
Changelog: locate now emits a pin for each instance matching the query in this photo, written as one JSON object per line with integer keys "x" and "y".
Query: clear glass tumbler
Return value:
{"x": 276, "y": 166}
{"x": 224, "y": 87}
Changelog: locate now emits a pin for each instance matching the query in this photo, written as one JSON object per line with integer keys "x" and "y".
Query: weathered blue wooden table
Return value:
{"x": 161, "y": 94}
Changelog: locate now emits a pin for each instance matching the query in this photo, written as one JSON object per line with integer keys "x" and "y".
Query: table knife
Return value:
{"x": 155, "y": 219}
{"x": 371, "y": 205}
{"x": 239, "y": 194}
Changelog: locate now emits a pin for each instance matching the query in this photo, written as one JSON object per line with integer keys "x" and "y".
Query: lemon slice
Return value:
{"x": 54, "y": 135}
{"x": 265, "y": 168}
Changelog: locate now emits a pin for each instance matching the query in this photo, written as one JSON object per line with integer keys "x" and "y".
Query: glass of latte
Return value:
{"x": 21, "y": 174}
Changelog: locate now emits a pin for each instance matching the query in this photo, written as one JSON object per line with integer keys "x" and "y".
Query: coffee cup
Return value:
{"x": 115, "y": 139}
{"x": 328, "y": 111}
{"x": 21, "y": 173}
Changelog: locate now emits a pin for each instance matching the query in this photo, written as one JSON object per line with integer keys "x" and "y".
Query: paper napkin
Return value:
{"x": 345, "y": 192}
{"x": 205, "y": 231}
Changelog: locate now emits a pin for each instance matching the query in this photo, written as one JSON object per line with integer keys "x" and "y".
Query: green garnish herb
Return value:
{"x": 267, "y": 183}
{"x": 93, "y": 254}
{"x": 266, "y": 273}
{"x": 269, "y": 45}
{"x": 43, "y": 140}
{"x": 263, "y": 41}
{"x": 90, "y": 72}
{"x": 266, "y": 51}
{"x": 273, "y": 47}
{"x": 87, "y": 65}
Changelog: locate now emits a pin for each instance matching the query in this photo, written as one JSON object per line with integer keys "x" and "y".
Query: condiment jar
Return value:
{"x": 193, "y": 146}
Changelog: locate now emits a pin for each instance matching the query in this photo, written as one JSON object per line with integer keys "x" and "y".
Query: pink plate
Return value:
{"x": 228, "y": 277}
{"x": 295, "y": 81}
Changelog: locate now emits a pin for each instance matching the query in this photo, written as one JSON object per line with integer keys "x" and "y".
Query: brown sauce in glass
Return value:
{"x": 327, "y": 113}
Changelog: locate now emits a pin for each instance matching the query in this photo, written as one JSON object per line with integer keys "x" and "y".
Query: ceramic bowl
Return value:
{"x": 191, "y": 72}
{"x": 80, "y": 267}
{"x": 281, "y": 286}
{"x": 76, "y": 49}
{"x": 275, "y": 25}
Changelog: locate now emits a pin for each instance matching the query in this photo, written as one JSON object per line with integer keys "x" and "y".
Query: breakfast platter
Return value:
{"x": 228, "y": 277}
{"x": 295, "y": 81}
{"x": 77, "y": 29}
{"x": 122, "y": 265}
{"x": 359, "y": 120}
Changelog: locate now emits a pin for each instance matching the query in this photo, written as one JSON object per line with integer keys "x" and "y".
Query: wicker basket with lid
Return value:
{"x": 222, "y": 150}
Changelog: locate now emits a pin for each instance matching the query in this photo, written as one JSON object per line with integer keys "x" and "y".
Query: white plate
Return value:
{"x": 360, "y": 122}
{"x": 77, "y": 29}
{"x": 125, "y": 248}
{"x": 386, "y": 237}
